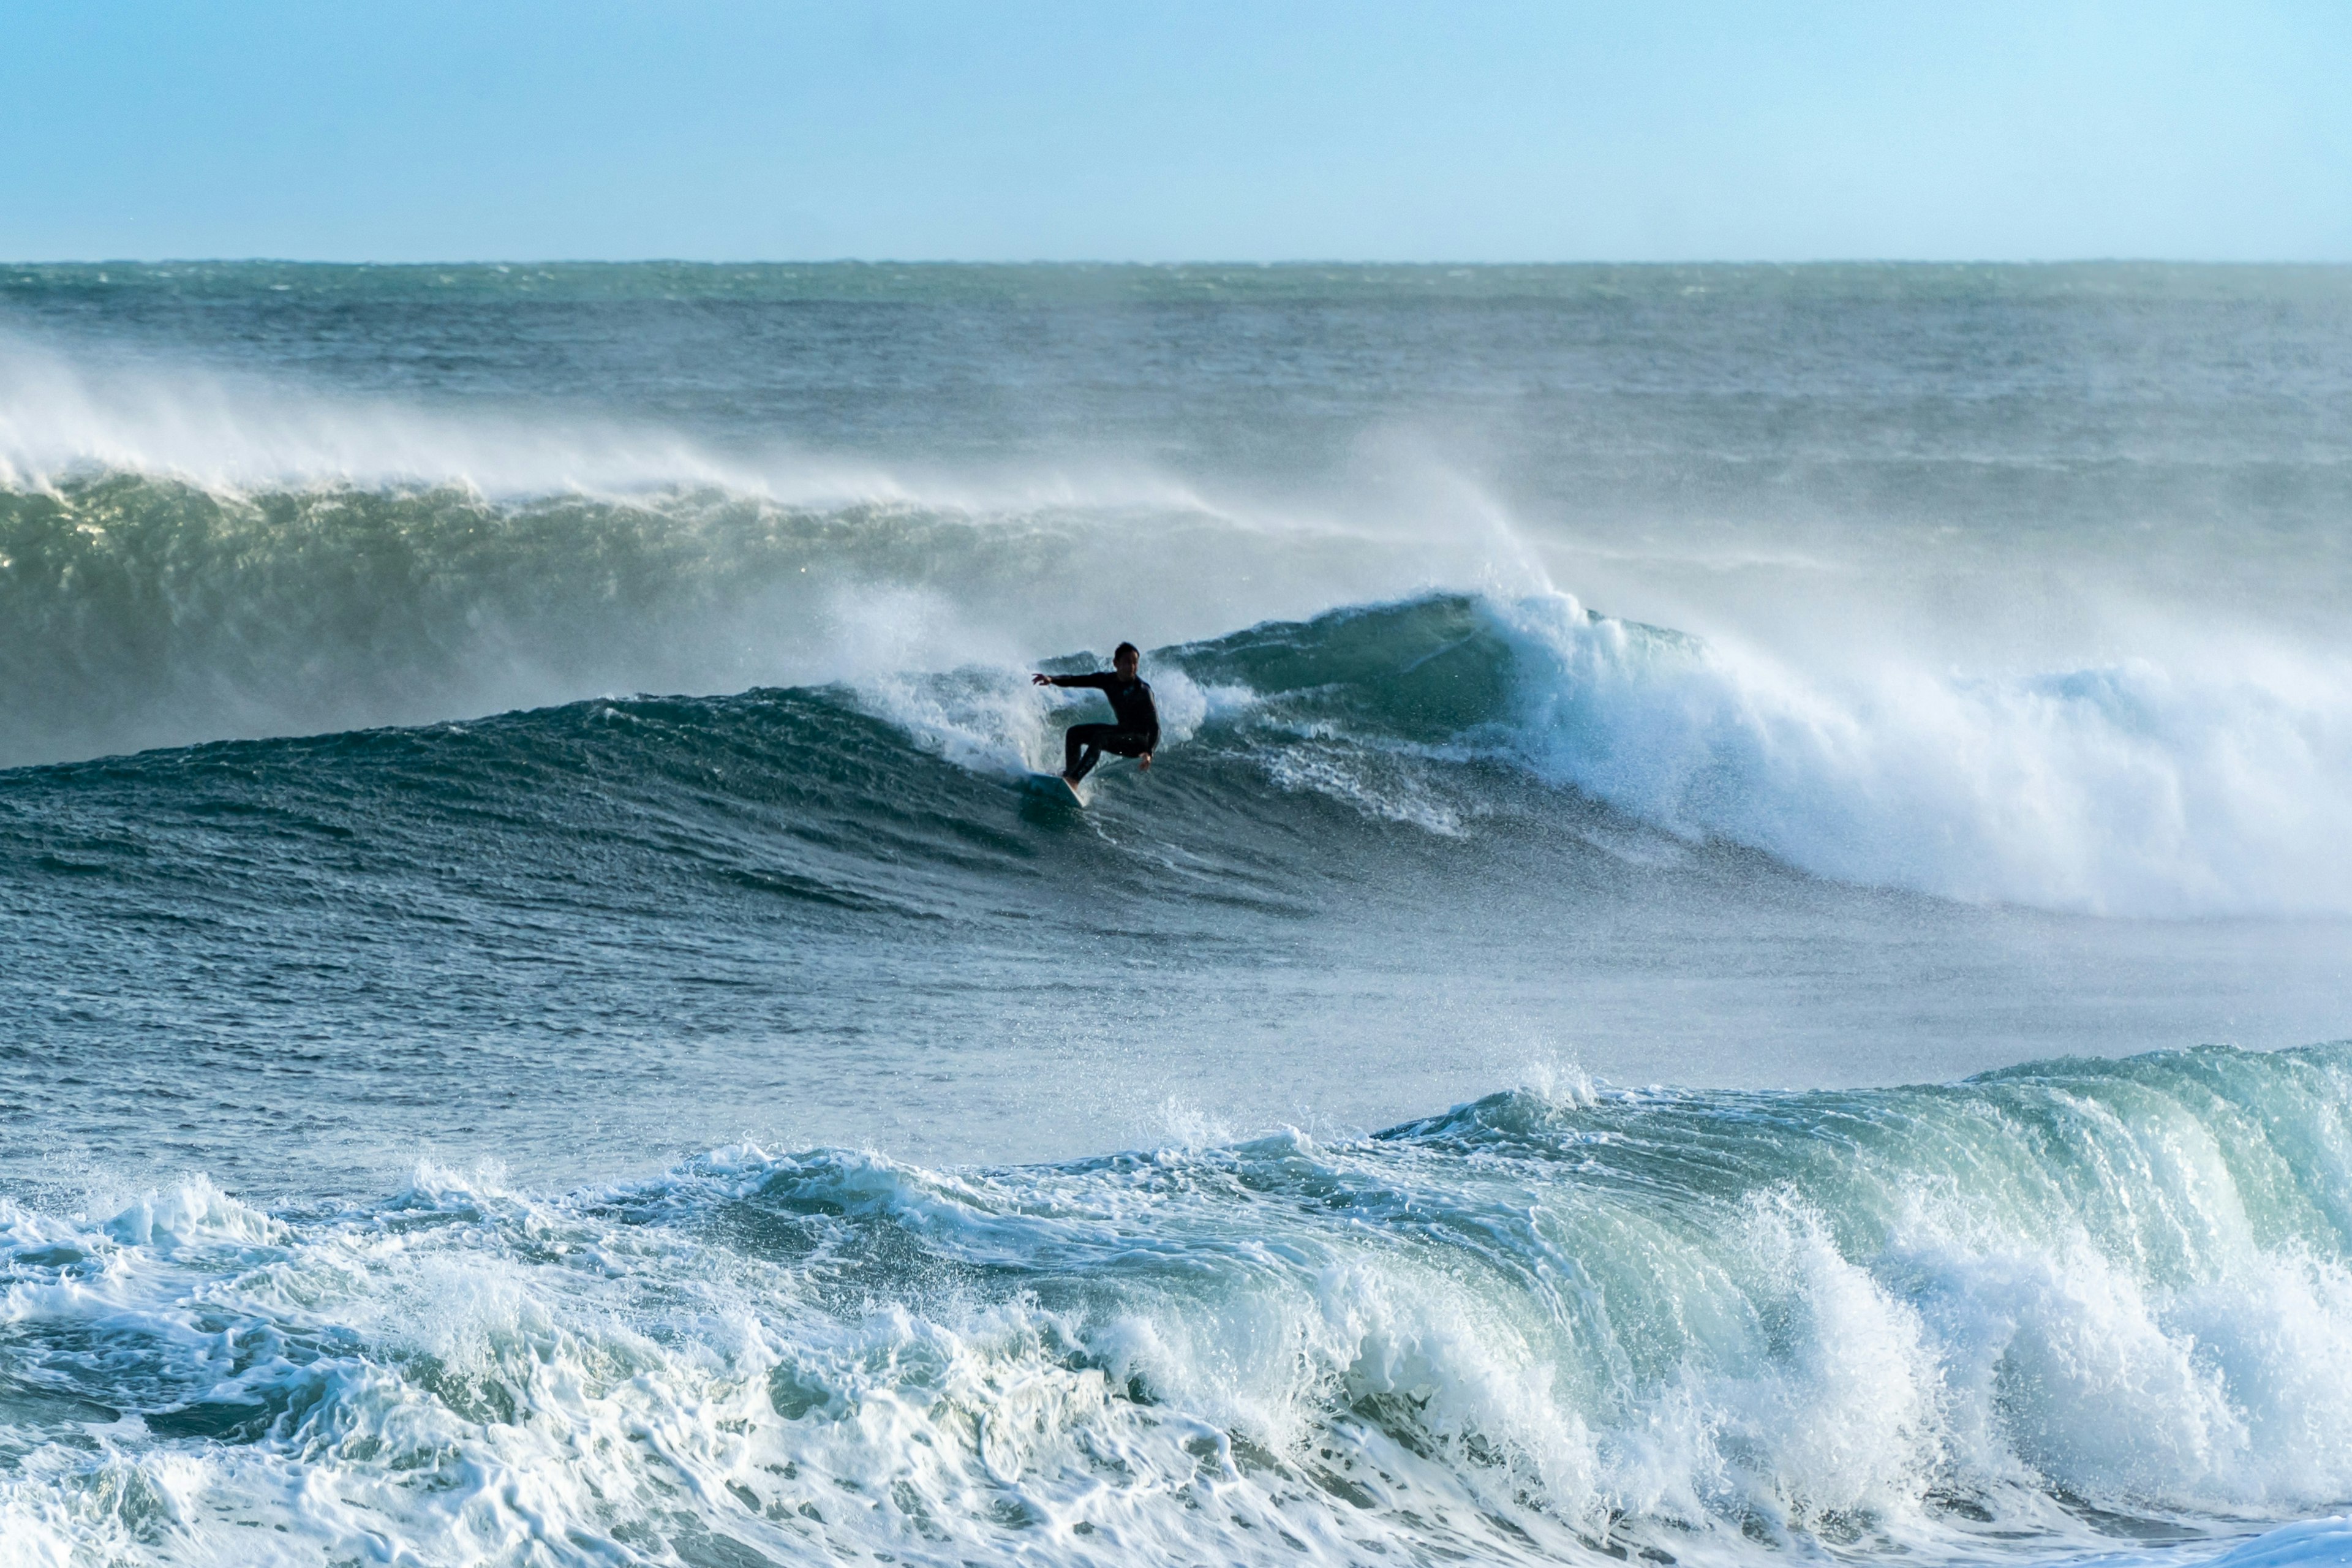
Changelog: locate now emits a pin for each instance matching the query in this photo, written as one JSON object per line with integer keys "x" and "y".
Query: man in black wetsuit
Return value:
{"x": 1135, "y": 732}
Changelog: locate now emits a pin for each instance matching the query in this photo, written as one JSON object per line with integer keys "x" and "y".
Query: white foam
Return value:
{"x": 466, "y": 1372}
{"x": 192, "y": 1212}
{"x": 2133, "y": 789}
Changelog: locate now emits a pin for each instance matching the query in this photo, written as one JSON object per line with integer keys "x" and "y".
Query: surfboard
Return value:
{"x": 1055, "y": 788}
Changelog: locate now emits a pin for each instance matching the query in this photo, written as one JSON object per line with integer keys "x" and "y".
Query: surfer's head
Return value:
{"x": 1124, "y": 658}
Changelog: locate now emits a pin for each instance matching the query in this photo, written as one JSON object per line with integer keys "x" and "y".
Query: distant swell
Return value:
{"x": 2056, "y": 1307}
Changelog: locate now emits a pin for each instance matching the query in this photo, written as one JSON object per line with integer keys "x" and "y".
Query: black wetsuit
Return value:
{"x": 1135, "y": 732}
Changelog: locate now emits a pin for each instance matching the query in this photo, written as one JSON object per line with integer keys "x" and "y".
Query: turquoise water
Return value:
{"x": 540, "y": 1024}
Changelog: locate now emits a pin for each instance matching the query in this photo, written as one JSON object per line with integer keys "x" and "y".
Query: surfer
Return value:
{"x": 1135, "y": 732}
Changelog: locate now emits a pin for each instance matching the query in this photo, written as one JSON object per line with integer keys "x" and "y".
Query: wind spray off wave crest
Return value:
{"x": 63, "y": 418}
{"x": 185, "y": 557}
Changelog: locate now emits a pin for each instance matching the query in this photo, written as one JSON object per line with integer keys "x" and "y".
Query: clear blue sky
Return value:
{"x": 1470, "y": 129}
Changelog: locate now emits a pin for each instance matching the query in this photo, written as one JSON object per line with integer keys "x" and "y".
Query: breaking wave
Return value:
{"x": 152, "y": 611}
{"x": 184, "y": 559}
{"x": 2073, "y": 1305}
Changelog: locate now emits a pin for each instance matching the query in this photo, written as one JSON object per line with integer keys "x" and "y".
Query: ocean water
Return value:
{"x": 1740, "y": 951}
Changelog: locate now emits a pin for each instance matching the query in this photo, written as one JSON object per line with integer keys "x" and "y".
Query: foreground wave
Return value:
{"x": 2070, "y": 1306}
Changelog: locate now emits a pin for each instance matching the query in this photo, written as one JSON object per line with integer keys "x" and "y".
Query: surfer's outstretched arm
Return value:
{"x": 1136, "y": 732}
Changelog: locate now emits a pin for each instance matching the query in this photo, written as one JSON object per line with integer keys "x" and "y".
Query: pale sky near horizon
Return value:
{"x": 1687, "y": 130}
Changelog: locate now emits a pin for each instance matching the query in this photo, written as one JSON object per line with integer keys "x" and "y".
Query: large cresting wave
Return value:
{"x": 183, "y": 561}
{"x": 2078, "y": 1305}
{"x": 2126, "y": 790}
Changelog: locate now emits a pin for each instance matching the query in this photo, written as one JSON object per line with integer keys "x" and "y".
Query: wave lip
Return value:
{"x": 2014, "y": 1318}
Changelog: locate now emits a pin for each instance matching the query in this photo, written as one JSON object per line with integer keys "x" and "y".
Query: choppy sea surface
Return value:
{"x": 1740, "y": 951}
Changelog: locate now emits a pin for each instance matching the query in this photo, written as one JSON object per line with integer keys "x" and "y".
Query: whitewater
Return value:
{"x": 1737, "y": 950}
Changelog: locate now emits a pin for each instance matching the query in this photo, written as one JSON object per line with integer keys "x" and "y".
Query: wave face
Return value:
{"x": 2058, "y": 1306}
{"x": 151, "y": 609}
